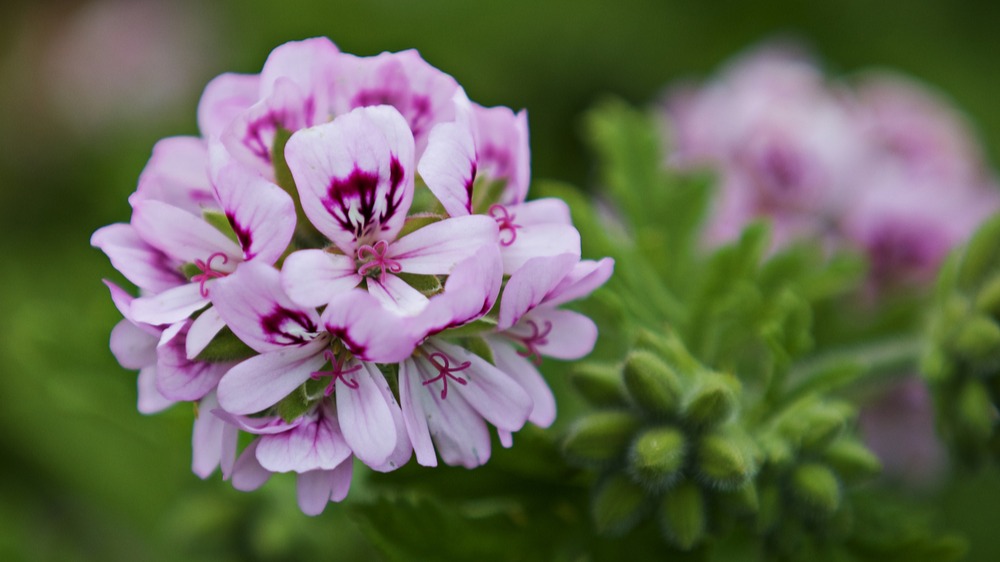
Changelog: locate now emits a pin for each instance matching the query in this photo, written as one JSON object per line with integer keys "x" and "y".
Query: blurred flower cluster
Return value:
{"x": 882, "y": 164}
{"x": 322, "y": 270}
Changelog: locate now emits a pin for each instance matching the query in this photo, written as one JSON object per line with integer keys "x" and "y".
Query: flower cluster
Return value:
{"x": 322, "y": 269}
{"x": 883, "y": 166}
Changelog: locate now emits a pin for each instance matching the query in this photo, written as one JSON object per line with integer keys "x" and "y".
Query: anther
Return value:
{"x": 505, "y": 220}
{"x": 337, "y": 372}
{"x": 207, "y": 272}
{"x": 376, "y": 256}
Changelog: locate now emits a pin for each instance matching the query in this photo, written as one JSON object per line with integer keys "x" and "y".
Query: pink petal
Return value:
{"x": 542, "y": 211}
{"x": 459, "y": 433}
{"x": 369, "y": 330}
{"x": 530, "y": 284}
{"x": 258, "y": 311}
{"x": 248, "y": 474}
{"x": 496, "y": 396}
{"x": 543, "y": 411}
{"x": 341, "y": 480}
{"x": 571, "y": 336}
{"x": 506, "y": 438}
{"x": 150, "y": 400}
{"x": 311, "y": 65}
{"x": 355, "y": 175}
{"x": 421, "y": 93}
{"x": 502, "y": 146}
{"x": 142, "y": 264}
{"x": 314, "y": 277}
{"x": 170, "y": 306}
{"x": 315, "y": 444}
{"x": 262, "y": 214}
{"x": 225, "y": 97}
{"x": 448, "y": 167}
{"x": 203, "y": 330}
{"x": 258, "y": 425}
{"x": 364, "y": 415}
{"x": 397, "y": 295}
{"x": 261, "y": 381}
{"x": 179, "y": 378}
{"x": 206, "y": 440}
{"x": 249, "y": 138}
{"x": 181, "y": 235}
{"x": 539, "y": 240}
{"x": 402, "y": 450}
{"x": 133, "y": 347}
{"x": 177, "y": 174}
{"x": 437, "y": 247}
{"x": 585, "y": 278}
{"x": 316, "y": 488}
{"x": 469, "y": 293}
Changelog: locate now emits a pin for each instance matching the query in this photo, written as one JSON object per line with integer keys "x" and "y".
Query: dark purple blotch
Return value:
{"x": 243, "y": 235}
{"x": 274, "y": 325}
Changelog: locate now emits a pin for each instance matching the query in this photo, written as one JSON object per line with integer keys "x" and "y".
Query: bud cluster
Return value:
{"x": 676, "y": 440}
{"x": 963, "y": 362}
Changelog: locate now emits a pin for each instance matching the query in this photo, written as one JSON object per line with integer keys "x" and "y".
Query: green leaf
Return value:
{"x": 221, "y": 223}
{"x": 224, "y": 347}
{"x": 428, "y": 285}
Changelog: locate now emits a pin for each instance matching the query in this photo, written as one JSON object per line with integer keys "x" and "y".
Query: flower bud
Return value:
{"x": 977, "y": 339}
{"x": 618, "y": 504}
{"x": 657, "y": 456}
{"x": 600, "y": 384}
{"x": 981, "y": 254}
{"x": 600, "y": 438}
{"x": 816, "y": 487}
{"x": 652, "y": 384}
{"x": 682, "y": 515}
{"x": 975, "y": 415}
{"x": 988, "y": 298}
{"x": 712, "y": 401}
{"x": 852, "y": 460}
{"x": 823, "y": 424}
{"x": 725, "y": 460}
{"x": 668, "y": 346}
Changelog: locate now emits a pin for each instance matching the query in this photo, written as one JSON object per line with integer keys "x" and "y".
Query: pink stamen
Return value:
{"x": 445, "y": 371}
{"x": 376, "y": 256}
{"x": 531, "y": 343}
{"x": 207, "y": 272}
{"x": 337, "y": 372}
{"x": 505, "y": 220}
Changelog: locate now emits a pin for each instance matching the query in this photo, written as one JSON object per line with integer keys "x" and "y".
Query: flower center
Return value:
{"x": 536, "y": 338}
{"x": 505, "y": 220}
{"x": 374, "y": 257}
{"x": 445, "y": 371}
{"x": 337, "y": 372}
{"x": 207, "y": 272}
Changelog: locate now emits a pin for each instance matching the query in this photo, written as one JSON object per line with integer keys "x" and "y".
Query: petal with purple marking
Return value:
{"x": 179, "y": 378}
{"x": 261, "y": 214}
{"x": 315, "y": 444}
{"x": 368, "y": 329}
{"x": 469, "y": 293}
{"x": 449, "y": 167}
{"x": 355, "y": 175}
{"x": 181, "y": 235}
{"x": 503, "y": 150}
{"x": 258, "y": 311}
{"x": 142, "y": 264}
{"x": 543, "y": 411}
{"x": 177, "y": 174}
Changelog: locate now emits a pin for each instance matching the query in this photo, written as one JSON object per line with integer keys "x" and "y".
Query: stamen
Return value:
{"x": 337, "y": 372}
{"x": 376, "y": 256}
{"x": 207, "y": 272}
{"x": 445, "y": 371}
{"x": 531, "y": 343}
{"x": 505, "y": 220}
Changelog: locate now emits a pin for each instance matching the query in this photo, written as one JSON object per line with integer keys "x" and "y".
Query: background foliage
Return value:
{"x": 84, "y": 476}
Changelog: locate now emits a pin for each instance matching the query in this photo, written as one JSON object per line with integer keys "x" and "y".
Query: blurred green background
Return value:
{"x": 88, "y": 87}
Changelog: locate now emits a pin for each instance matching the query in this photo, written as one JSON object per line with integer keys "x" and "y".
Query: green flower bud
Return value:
{"x": 712, "y": 401}
{"x": 657, "y": 456}
{"x": 816, "y": 487}
{"x": 653, "y": 385}
{"x": 618, "y": 504}
{"x": 988, "y": 299}
{"x": 600, "y": 438}
{"x": 981, "y": 255}
{"x": 600, "y": 384}
{"x": 725, "y": 460}
{"x": 977, "y": 339}
{"x": 668, "y": 346}
{"x": 743, "y": 500}
{"x": 769, "y": 501}
{"x": 682, "y": 515}
{"x": 976, "y": 414}
{"x": 852, "y": 460}
{"x": 823, "y": 424}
